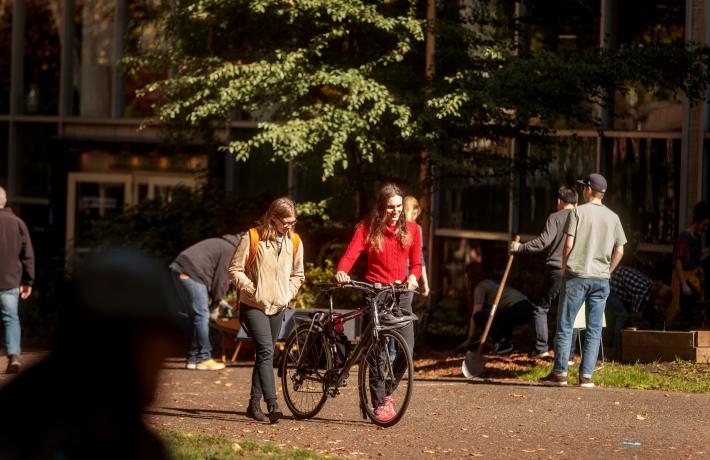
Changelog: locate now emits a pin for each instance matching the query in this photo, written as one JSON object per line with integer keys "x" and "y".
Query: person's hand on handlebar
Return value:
{"x": 412, "y": 283}
{"x": 342, "y": 277}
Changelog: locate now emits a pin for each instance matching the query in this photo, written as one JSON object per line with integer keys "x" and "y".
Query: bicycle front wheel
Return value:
{"x": 304, "y": 364}
{"x": 386, "y": 379}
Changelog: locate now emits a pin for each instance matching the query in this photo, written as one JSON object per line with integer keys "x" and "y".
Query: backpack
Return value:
{"x": 254, "y": 245}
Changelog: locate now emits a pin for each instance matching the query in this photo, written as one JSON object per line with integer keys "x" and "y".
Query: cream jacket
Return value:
{"x": 273, "y": 279}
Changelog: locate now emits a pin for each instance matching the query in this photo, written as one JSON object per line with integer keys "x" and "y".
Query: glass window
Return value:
{"x": 141, "y": 38}
{"x": 564, "y": 25}
{"x": 33, "y": 158}
{"x": 570, "y": 160}
{"x": 42, "y": 57}
{"x": 5, "y": 53}
{"x": 94, "y": 58}
{"x": 476, "y": 204}
{"x": 261, "y": 176}
{"x": 644, "y": 187}
{"x": 95, "y": 200}
{"x": 639, "y": 22}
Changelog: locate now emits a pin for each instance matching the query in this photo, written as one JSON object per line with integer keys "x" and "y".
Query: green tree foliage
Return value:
{"x": 343, "y": 80}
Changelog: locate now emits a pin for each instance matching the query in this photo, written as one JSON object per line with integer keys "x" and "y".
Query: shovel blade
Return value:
{"x": 472, "y": 365}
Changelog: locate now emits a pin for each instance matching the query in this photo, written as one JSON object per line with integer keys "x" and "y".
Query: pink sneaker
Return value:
{"x": 389, "y": 401}
{"x": 385, "y": 413}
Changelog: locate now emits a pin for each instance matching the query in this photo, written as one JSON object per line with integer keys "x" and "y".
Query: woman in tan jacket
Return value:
{"x": 267, "y": 270}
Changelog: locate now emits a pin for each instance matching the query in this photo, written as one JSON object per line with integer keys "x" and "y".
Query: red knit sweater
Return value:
{"x": 390, "y": 264}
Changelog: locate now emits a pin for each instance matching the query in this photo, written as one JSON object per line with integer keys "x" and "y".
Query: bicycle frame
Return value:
{"x": 369, "y": 335}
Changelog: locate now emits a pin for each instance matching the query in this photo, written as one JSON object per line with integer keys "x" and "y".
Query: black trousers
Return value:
{"x": 506, "y": 318}
{"x": 264, "y": 330}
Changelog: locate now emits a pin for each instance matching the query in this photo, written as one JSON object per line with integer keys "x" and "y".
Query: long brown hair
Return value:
{"x": 378, "y": 222}
{"x": 280, "y": 208}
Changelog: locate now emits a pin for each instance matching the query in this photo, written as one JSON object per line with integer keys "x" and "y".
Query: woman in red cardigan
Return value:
{"x": 389, "y": 241}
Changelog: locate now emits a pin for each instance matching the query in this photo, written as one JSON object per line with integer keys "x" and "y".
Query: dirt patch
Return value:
{"x": 433, "y": 364}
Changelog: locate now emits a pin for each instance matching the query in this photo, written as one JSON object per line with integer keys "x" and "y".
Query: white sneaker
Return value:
{"x": 191, "y": 366}
{"x": 209, "y": 365}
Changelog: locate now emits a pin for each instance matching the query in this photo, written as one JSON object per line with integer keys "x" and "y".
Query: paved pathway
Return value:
{"x": 455, "y": 418}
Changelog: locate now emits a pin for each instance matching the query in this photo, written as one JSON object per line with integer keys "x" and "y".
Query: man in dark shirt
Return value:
{"x": 514, "y": 309}
{"x": 17, "y": 273}
{"x": 202, "y": 270}
{"x": 688, "y": 276}
{"x": 550, "y": 240}
{"x": 632, "y": 292}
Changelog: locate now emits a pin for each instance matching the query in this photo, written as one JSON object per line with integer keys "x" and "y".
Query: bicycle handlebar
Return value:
{"x": 363, "y": 286}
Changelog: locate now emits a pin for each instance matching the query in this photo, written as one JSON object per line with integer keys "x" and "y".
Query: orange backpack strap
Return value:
{"x": 296, "y": 244}
{"x": 253, "y": 247}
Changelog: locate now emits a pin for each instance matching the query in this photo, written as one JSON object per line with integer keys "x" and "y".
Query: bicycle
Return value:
{"x": 314, "y": 365}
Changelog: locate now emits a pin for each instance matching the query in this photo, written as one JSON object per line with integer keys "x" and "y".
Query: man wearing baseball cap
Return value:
{"x": 593, "y": 248}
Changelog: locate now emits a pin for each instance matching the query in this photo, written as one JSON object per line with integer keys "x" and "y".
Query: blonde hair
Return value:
{"x": 411, "y": 208}
{"x": 280, "y": 208}
{"x": 377, "y": 222}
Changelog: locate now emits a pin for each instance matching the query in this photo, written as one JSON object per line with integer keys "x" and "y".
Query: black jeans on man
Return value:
{"x": 264, "y": 330}
{"x": 553, "y": 282}
{"x": 506, "y": 318}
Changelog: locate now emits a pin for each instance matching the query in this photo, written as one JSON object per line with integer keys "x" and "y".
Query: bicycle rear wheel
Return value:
{"x": 305, "y": 361}
{"x": 386, "y": 377}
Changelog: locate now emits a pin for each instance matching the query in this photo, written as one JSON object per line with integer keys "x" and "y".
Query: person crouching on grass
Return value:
{"x": 267, "y": 270}
{"x": 389, "y": 241}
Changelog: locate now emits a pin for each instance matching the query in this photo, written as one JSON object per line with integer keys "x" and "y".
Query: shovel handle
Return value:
{"x": 497, "y": 299}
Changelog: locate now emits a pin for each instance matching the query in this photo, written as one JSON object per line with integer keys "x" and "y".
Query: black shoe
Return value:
{"x": 585, "y": 382}
{"x": 254, "y": 411}
{"x": 274, "y": 412}
{"x": 556, "y": 380}
{"x": 504, "y": 347}
{"x": 390, "y": 319}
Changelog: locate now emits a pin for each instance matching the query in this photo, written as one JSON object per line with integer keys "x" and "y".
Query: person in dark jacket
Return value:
{"x": 17, "y": 273}
{"x": 550, "y": 240}
{"x": 203, "y": 271}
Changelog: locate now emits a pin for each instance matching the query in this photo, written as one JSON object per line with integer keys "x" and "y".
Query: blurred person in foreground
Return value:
{"x": 121, "y": 316}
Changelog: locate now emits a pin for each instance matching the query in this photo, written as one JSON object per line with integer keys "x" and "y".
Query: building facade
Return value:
{"x": 71, "y": 147}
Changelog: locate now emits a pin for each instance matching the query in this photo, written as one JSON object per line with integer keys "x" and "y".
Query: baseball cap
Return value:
{"x": 595, "y": 181}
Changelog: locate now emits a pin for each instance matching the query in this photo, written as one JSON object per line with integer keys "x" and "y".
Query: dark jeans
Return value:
{"x": 553, "y": 281}
{"x": 378, "y": 387}
{"x": 264, "y": 330}
{"x": 506, "y": 318}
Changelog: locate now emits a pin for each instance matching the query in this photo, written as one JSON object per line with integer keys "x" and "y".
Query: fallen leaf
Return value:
{"x": 236, "y": 447}
{"x": 228, "y": 384}
{"x": 640, "y": 417}
{"x": 616, "y": 403}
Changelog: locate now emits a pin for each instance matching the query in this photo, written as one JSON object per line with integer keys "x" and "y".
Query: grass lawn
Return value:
{"x": 665, "y": 376}
{"x": 188, "y": 446}
{"x": 673, "y": 376}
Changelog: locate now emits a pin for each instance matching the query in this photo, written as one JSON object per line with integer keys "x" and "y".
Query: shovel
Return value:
{"x": 474, "y": 363}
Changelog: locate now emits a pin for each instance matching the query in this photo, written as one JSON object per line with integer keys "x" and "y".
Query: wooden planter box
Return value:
{"x": 649, "y": 346}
